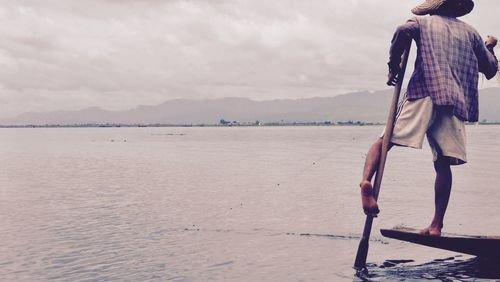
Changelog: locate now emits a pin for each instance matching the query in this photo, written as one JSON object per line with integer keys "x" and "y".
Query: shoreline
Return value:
{"x": 271, "y": 124}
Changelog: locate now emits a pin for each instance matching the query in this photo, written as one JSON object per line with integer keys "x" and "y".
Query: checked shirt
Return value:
{"x": 450, "y": 55}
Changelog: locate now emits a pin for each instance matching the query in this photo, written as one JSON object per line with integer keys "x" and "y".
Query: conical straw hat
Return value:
{"x": 460, "y": 7}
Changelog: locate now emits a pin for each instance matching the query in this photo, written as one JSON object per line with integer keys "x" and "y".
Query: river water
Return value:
{"x": 228, "y": 204}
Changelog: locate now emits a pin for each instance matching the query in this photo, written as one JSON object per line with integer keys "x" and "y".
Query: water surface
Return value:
{"x": 227, "y": 204}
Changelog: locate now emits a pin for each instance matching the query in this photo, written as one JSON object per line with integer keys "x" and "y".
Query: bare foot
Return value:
{"x": 432, "y": 231}
{"x": 368, "y": 202}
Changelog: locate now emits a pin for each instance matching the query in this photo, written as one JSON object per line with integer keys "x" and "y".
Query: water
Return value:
{"x": 227, "y": 204}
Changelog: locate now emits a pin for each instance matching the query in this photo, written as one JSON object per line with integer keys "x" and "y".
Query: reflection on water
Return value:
{"x": 448, "y": 269}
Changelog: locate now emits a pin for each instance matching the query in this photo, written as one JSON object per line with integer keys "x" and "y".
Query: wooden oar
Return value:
{"x": 360, "y": 262}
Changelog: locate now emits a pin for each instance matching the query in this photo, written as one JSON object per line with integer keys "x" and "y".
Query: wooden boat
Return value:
{"x": 481, "y": 246}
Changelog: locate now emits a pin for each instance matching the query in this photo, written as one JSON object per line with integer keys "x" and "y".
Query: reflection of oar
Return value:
{"x": 360, "y": 262}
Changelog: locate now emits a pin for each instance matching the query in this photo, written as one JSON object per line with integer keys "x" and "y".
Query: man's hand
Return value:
{"x": 393, "y": 76}
{"x": 491, "y": 42}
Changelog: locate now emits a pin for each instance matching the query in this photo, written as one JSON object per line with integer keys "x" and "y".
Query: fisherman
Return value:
{"x": 442, "y": 94}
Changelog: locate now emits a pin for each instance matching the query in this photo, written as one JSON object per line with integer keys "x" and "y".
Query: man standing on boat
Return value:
{"x": 442, "y": 94}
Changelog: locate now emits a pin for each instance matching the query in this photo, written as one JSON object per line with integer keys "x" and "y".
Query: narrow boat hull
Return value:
{"x": 481, "y": 246}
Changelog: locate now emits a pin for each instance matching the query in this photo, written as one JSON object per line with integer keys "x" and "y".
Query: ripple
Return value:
{"x": 446, "y": 269}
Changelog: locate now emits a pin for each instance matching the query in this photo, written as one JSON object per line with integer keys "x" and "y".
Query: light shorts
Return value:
{"x": 445, "y": 132}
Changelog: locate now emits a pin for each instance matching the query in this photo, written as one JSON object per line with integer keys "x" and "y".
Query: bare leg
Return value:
{"x": 372, "y": 160}
{"x": 442, "y": 190}
{"x": 368, "y": 201}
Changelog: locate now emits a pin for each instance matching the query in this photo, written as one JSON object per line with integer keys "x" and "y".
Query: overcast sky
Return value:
{"x": 117, "y": 54}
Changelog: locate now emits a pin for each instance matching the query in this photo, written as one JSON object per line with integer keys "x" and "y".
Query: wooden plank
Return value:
{"x": 481, "y": 246}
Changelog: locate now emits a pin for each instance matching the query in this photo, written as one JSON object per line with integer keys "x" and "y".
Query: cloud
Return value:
{"x": 120, "y": 53}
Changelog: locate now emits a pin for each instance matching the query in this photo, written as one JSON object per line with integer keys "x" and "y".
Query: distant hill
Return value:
{"x": 359, "y": 106}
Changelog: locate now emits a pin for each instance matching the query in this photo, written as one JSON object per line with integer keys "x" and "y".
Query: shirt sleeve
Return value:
{"x": 402, "y": 39}
{"x": 487, "y": 61}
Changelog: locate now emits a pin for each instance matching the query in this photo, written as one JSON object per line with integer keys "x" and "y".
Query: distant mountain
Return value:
{"x": 359, "y": 106}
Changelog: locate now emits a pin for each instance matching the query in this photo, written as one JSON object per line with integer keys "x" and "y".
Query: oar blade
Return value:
{"x": 361, "y": 255}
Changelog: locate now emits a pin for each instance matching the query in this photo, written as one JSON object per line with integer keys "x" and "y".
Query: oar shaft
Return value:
{"x": 360, "y": 262}
{"x": 389, "y": 128}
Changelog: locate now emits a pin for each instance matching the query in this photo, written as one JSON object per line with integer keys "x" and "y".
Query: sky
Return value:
{"x": 118, "y": 54}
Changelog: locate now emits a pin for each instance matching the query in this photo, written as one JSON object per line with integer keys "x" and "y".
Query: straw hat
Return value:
{"x": 460, "y": 7}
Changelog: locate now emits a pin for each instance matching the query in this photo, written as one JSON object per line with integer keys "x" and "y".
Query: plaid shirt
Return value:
{"x": 450, "y": 55}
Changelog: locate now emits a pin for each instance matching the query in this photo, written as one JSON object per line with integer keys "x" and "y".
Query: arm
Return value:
{"x": 401, "y": 39}
{"x": 488, "y": 63}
